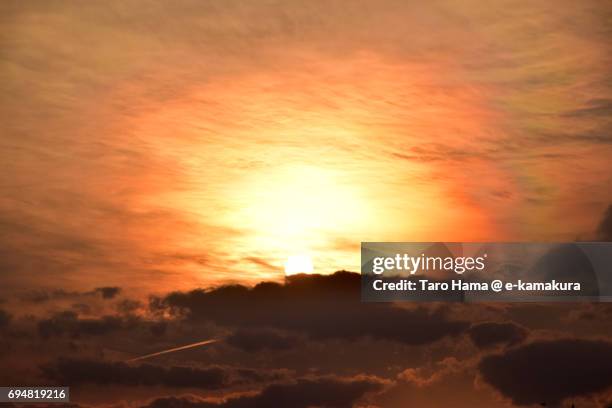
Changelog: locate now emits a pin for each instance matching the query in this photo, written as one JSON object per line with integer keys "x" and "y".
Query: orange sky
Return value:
{"x": 210, "y": 146}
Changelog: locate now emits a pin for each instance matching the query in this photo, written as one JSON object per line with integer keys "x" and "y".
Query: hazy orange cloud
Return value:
{"x": 171, "y": 152}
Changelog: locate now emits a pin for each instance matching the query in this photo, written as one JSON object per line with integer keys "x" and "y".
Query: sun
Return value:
{"x": 298, "y": 264}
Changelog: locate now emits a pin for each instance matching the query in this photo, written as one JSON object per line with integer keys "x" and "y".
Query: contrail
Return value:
{"x": 172, "y": 350}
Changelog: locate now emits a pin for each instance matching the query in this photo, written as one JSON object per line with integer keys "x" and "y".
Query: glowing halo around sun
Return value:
{"x": 271, "y": 168}
{"x": 298, "y": 264}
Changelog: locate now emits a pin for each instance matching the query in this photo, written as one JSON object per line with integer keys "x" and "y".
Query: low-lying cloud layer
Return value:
{"x": 321, "y": 306}
{"x": 550, "y": 370}
{"x": 304, "y": 393}
{"x": 489, "y": 334}
{"x": 309, "y": 341}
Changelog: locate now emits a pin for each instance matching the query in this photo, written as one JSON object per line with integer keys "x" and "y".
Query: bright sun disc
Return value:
{"x": 298, "y": 264}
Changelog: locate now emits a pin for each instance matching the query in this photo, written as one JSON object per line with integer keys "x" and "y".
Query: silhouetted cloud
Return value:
{"x": 567, "y": 263}
{"x": 108, "y": 292}
{"x": 252, "y": 340}
{"x": 604, "y": 230}
{"x": 488, "y": 334}
{"x": 328, "y": 392}
{"x": 68, "y": 322}
{"x": 5, "y": 318}
{"x": 76, "y": 372}
{"x": 550, "y": 371}
{"x": 322, "y": 306}
{"x": 42, "y": 295}
{"x": 128, "y": 306}
{"x": 158, "y": 328}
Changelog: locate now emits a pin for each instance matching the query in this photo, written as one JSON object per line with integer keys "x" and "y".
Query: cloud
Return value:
{"x": 252, "y": 340}
{"x": 129, "y": 306}
{"x": 567, "y": 262}
{"x": 261, "y": 262}
{"x": 594, "y": 108}
{"x": 283, "y": 86}
{"x": 321, "y": 306}
{"x": 489, "y": 334}
{"x": 426, "y": 376}
{"x": 158, "y": 328}
{"x": 108, "y": 292}
{"x": 550, "y": 370}
{"x": 68, "y": 322}
{"x": 604, "y": 230}
{"x": 76, "y": 372}
{"x": 42, "y": 295}
{"x": 5, "y": 318}
{"x": 590, "y": 313}
{"x": 329, "y": 392}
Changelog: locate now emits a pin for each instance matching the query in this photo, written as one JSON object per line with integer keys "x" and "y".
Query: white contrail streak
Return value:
{"x": 172, "y": 350}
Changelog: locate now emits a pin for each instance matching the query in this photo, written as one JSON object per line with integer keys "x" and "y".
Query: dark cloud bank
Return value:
{"x": 69, "y": 323}
{"x": 77, "y": 372}
{"x": 604, "y": 230}
{"x": 328, "y": 392}
{"x": 5, "y": 318}
{"x": 40, "y": 296}
{"x": 320, "y": 306}
{"x": 550, "y": 371}
{"x": 489, "y": 334}
{"x": 329, "y": 307}
{"x": 284, "y": 316}
{"x": 253, "y": 340}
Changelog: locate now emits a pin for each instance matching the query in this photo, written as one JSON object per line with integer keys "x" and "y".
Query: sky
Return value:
{"x": 151, "y": 148}
{"x": 197, "y": 142}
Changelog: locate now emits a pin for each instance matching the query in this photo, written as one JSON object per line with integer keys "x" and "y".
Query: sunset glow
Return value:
{"x": 219, "y": 167}
{"x": 306, "y": 203}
